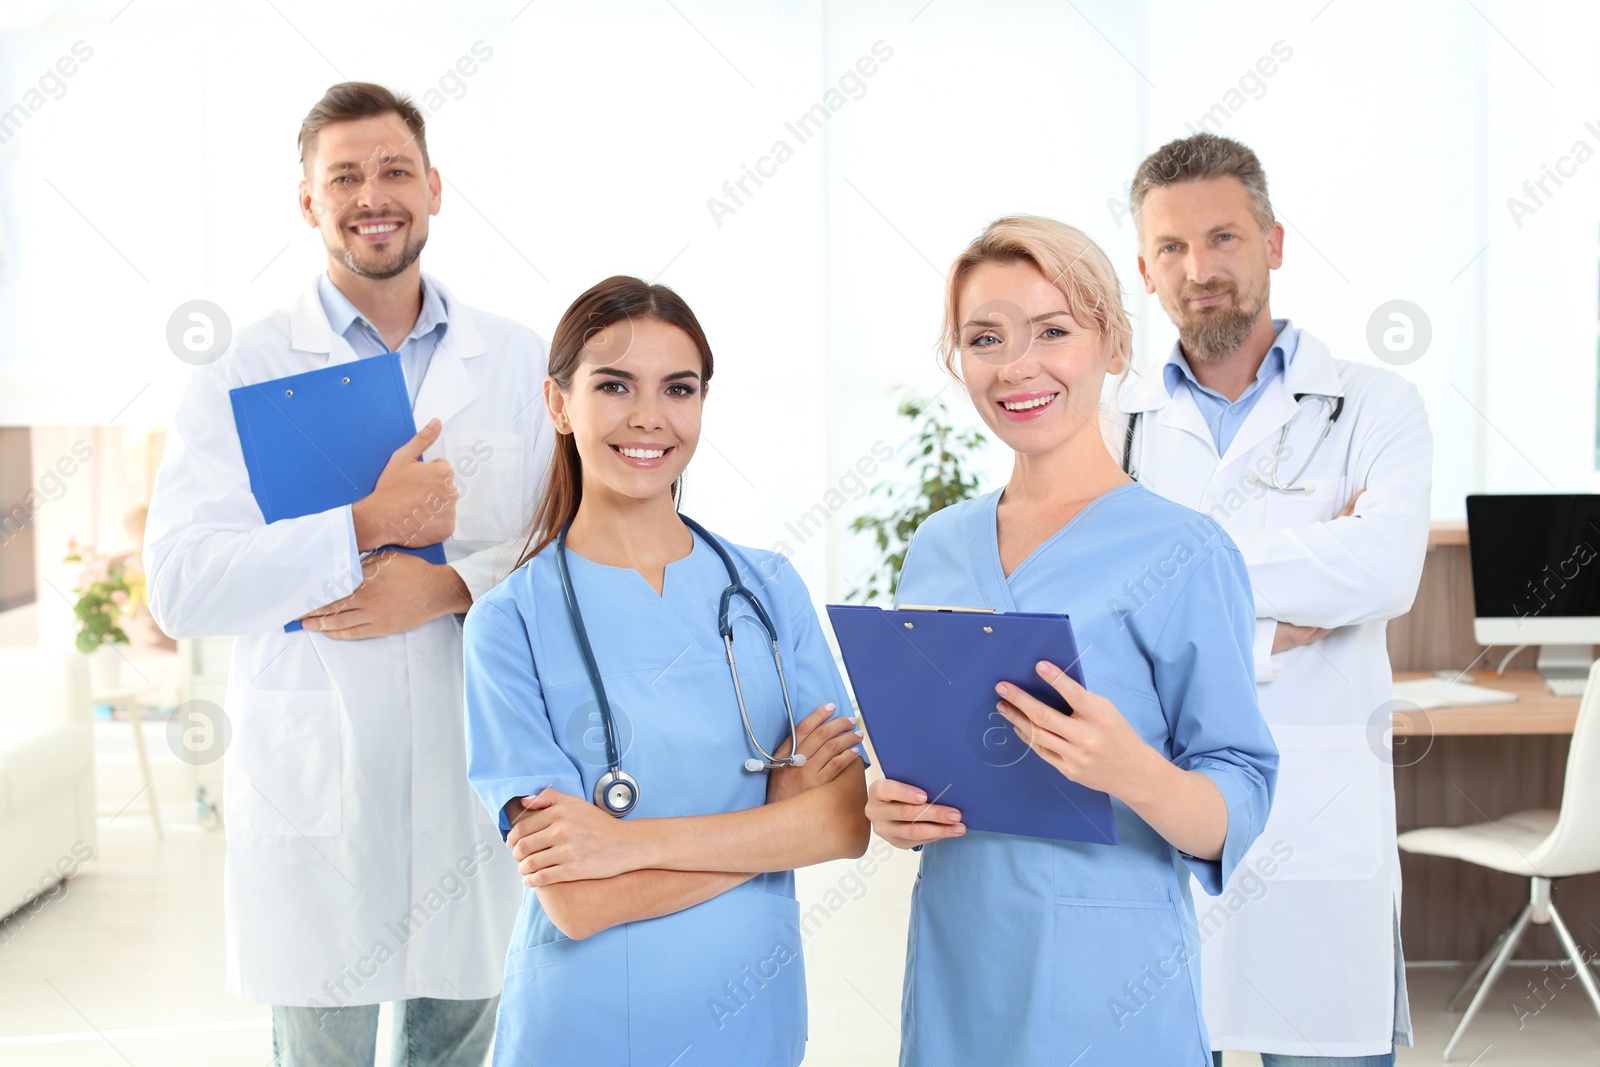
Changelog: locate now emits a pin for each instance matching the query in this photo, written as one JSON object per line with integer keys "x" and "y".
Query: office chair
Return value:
{"x": 1542, "y": 846}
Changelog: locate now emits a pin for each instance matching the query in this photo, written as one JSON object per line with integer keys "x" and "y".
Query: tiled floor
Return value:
{"x": 125, "y": 970}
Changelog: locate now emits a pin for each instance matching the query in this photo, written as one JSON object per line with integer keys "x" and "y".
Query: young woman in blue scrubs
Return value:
{"x": 670, "y": 935}
{"x": 1029, "y": 951}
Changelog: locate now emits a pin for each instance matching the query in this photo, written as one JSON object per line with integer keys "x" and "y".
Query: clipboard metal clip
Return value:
{"x": 936, "y": 607}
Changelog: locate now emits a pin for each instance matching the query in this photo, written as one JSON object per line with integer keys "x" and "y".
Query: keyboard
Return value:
{"x": 1438, "y": 693}
{"x": 1566, "y": 687}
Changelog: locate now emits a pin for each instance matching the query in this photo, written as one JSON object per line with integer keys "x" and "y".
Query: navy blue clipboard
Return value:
{"x": 924, "y": 680}
{"x": 319, "y": 440}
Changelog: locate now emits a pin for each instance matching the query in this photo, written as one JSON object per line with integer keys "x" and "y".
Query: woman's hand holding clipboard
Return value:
{"x": 1094, "y": 745}
{"x": 925, "y": 680}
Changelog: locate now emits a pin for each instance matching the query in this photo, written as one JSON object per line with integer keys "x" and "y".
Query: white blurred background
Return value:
{"x": 590, "y": 139}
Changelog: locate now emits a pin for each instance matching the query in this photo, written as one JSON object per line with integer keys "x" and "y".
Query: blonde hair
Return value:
{"x": 1065, "y": 255}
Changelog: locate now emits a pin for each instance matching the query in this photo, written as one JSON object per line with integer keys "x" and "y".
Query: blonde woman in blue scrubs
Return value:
{"x": 1028, "y": 951}
{"x": 669, "y": 935}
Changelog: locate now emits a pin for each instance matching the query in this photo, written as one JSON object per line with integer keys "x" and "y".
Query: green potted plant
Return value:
{"x": 110, "y": 589}
{"x": 941, "y": 466}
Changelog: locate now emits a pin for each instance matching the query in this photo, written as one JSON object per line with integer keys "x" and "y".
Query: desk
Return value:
{"x": 1537, "y": 710}
{"x": 1477, "y": 764}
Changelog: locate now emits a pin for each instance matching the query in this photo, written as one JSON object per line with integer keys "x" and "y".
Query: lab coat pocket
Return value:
{"x": 1130, "y": 995}
{"x": 1322, "y": 500}
{"x": 565, "y": 1003}
{"x": 489, "y": 470}
{"x": 282, "y": 769}
{"x": 1328, "y": 807}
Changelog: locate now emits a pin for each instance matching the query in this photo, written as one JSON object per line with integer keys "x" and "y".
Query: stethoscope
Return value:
{"x": 617, "y": 792}
{"x": 1334, "y": 407}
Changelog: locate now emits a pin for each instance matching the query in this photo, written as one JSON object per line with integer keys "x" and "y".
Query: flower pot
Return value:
{"x": 105, "y": 669}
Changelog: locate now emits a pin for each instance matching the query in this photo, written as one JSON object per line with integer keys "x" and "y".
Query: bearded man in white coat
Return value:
{"x": 1319, "y": 469}
{"x": 360, "y": 868}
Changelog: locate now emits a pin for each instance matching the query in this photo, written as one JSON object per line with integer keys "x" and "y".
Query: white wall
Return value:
{"x": 984, "y": 111}
{"x": 592, "y": 137}
{"x": 102, "y": 214}
{"x": 1392, "y": 138}
{"x": 1536, "y": 382}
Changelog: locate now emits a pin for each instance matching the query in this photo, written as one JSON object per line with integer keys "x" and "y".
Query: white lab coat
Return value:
{"x": 360, "y": 866}
{"x": 1298, "y": 953}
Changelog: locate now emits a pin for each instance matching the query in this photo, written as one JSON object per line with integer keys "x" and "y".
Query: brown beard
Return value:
{"x": 345, "y": 253}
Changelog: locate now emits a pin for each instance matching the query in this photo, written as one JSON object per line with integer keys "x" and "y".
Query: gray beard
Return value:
{"x": 1215, "y": 335}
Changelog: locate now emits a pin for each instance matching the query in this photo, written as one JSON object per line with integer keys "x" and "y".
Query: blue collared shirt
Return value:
{"x": 1222, "y": 415}
{"x": 416, "y": 351}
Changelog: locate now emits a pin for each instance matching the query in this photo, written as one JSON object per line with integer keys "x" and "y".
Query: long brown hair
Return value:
{"x": 620, "y": 298}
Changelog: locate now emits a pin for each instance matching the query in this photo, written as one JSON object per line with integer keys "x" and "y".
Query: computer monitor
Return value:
{"x": 1536, "y": 576}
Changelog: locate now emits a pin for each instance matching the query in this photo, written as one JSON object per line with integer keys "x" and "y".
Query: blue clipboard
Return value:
{"x": 319, "y": 440}
{"x": 924, "y": 680}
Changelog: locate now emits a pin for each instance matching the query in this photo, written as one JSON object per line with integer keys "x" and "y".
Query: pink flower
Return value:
{"x": 119, "y": 598}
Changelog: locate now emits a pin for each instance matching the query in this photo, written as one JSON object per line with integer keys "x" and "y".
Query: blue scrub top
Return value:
{"x": 1030, "y": 951}
{"x": 722, "y": 982}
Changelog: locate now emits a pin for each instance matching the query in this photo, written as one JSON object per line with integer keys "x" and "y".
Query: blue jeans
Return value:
{"x": 1273, "y": 1059}
{"x": 427, "y": 1033}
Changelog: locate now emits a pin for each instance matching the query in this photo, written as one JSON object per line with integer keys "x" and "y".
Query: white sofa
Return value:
{"x": 47, "y": 813}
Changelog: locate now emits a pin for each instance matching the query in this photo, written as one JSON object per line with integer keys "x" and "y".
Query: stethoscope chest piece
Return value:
{"x": 616, "y": 792}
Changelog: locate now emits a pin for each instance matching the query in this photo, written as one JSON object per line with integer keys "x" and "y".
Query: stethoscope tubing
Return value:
{"x": 613, "y": 758}
{"x": 1336, "y": 408}
{"x": 1283, "y": 437}
{"x": 735, "y": 589}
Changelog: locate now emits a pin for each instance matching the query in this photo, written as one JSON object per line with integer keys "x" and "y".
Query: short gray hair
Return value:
{"x": 1205, "y": 155}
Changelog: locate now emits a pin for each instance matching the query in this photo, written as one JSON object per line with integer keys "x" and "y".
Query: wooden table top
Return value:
{"x": 1535, "y": 712}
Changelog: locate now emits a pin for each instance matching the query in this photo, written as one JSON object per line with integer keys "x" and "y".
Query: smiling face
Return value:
{"x": 1033, "y": 371}
{"x": 1203, "y": 253}
{"x": 369, "y": 192}
{"x": 633, "y": 407}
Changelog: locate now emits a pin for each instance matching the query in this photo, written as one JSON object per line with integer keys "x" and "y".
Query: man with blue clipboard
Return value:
{"x": 360, "y": 867}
